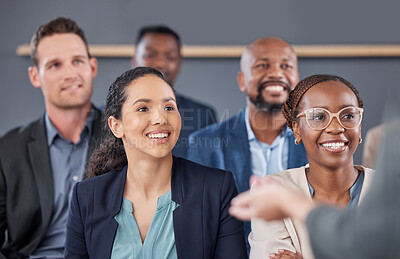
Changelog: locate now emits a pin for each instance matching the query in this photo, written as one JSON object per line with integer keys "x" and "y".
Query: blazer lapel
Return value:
{"x": 237, "y": 150}
{"x": 188, "y": 244}
{"x": 111, "y": 197}
{"x": 40, "y": 159}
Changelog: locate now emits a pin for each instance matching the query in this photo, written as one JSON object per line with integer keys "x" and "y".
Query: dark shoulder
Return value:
{"x": 188, "y": 103}
{"x": 103, "y": 179}
{"x": 19, "y": 136}
{"x": 195, "y": 170}
{"x": 219, "y": 129}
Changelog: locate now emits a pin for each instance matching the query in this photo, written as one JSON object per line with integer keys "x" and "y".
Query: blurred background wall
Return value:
{"x": 206, "y": 22}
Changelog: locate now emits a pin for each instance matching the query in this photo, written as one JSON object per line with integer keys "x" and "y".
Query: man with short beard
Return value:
{"x": 257, "y": 140}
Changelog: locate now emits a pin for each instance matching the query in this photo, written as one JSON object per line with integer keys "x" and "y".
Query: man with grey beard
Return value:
{"x": 257, "y": 140}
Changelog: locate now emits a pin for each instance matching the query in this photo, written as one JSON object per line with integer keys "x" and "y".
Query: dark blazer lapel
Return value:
{"x": 178, "y": 213}
{"x": 188, "y": 236}
{"x": 40, "y": 159}
{"x": 237, "y": 152}
{"x": 105, "y": 238}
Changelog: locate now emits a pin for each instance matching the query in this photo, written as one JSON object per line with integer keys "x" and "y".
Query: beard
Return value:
{"x": 264, "y": 105}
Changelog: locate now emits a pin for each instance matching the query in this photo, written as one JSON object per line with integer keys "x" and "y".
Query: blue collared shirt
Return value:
{"x": 160, "y": 238}
{"x": 68, "y": 161}
{"x": 355, "y": 191}
{"x": 268, "y": 159}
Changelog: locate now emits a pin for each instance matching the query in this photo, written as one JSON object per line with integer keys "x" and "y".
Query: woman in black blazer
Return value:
{"x": 135, "y": 172}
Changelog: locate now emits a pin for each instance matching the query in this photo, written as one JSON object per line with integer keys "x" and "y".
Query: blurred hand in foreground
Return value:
{"x": 269, "y": 200}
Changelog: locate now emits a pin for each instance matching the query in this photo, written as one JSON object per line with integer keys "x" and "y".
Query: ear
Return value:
{"x": 93, "y": 65}
{"x": 240, "y": 80}
{"x": 296, "y": 130}
{"x": 33, "y": 73}
{"x": 179, "y": 64}
{"x": 133, "y": 61}
{"x": 297, "y": 80}
{"x": 116, "y": 127}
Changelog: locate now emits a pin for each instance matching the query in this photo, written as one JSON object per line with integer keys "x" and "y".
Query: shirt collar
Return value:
{"x": 250, "y": 133}
{"x": 52, "y": 131}
{"x": 354, "y": 189}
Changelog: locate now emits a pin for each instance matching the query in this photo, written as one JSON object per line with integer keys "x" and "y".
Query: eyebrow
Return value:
{"x": 341, "y": 107}
{"x": 141, "y": 100}
{"x": 284, "y": 59}
{"x": 80, "y": 56}
{"x": 169, "y": 99}
{"x": 57, "y": 59}
{"x": 144, "y": 100}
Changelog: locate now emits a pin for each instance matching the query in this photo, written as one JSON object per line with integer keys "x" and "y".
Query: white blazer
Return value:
{"x": 268, "y": 237}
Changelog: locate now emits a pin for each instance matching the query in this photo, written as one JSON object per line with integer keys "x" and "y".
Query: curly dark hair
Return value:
{"x": 289, "y": 109}
{"x": 110, "y": 155}
{"x": 55, "y": 26}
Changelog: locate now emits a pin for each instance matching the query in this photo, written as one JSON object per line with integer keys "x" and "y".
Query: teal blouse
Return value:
{"x": 160, "y": 239}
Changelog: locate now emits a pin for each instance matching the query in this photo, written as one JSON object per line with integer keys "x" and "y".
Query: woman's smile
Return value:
{"x": 159, "y": 136}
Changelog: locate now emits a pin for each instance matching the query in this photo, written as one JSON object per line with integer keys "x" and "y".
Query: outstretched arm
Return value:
{"x": 281, "y": 203}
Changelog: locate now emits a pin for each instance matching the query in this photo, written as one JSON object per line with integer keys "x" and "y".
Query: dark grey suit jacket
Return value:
{"x": 194, "y": 117}
{"x": 26, "y": 186}
{"x": 373, "y": 229}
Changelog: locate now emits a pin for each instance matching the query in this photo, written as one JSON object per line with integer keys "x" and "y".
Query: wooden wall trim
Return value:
{"x": 303, "y": 51}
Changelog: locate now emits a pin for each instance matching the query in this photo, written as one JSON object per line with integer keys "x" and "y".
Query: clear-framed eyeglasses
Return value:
{"x": 320, "y": 118}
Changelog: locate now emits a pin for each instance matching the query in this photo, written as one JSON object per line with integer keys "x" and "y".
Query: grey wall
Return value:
{"x": 206, "y": 22}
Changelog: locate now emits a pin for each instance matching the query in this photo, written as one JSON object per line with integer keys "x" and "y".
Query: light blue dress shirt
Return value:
{"x": 160, "y": 239}
{"x": 68, "y": 161}
{"x": 268, "y": 159}
{"x": 355, "y": 190}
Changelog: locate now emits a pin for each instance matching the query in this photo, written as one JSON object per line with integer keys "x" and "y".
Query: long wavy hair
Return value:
{"x": 110, "y": 155}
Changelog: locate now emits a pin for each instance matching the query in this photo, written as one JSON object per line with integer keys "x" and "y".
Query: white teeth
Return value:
{"x": 72, "y": 87}
{"x": 275, "y": 88}
{"x": 334, "y": 145}
{"x": 158, "y": 135}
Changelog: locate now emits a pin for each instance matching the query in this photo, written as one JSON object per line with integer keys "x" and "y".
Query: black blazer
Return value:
{"x": 203, "y": 227}
{"x": 194, "y": 117}
{"x": 26, "y": 186}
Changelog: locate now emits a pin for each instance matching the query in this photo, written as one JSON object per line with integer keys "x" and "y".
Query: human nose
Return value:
{"x": 159, "y": 117}
{"x": 334, "y": 125}
{"x": 160, "y": 63}
{"x": 70, "y": 72}
{"x": 275, "y": 72}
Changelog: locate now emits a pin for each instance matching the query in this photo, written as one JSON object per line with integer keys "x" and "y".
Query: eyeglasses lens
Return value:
{"x": 320, "y": 118}
{"x": 350, "y": 117}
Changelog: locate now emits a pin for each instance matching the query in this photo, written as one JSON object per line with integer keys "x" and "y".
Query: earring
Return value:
{"x": 297, "y": 142}
{"x": 360, "y": 141}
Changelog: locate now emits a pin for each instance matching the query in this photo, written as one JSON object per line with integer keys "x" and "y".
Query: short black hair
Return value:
{"x": 162, "y": 29}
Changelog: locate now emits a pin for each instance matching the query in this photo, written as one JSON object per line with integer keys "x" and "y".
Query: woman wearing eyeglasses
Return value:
{"x": 325, "y": 113}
